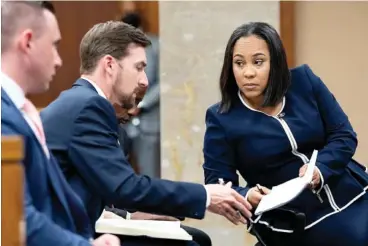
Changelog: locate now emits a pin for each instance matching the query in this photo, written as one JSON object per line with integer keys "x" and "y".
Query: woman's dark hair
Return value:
{"x": 279, "y": 77}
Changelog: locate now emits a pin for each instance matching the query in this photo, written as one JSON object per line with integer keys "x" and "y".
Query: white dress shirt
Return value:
{"x": 17, "y": 96}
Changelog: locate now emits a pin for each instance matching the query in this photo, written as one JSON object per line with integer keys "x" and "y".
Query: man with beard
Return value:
{"x": 199, "y": 237}
{"x": 82, "y": 132}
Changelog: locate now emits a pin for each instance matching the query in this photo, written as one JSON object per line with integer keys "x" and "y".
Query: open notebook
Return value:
{"x": 149, "y": 228}
{"x": 288, "y": 191}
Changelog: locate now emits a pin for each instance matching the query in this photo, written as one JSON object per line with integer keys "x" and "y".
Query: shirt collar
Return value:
{"x": 14, "y": 91}
{"x": 98, "y": 89}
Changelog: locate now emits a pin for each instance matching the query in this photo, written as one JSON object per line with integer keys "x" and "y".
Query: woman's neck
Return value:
{"x": 256, "y": 104}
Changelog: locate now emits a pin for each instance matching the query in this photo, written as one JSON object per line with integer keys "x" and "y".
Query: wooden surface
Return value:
{"x": 12, "y": 226}
{"x": 149, "y": 12}
{"x": 75, "y": 19}
{"x": 287, "y": 29}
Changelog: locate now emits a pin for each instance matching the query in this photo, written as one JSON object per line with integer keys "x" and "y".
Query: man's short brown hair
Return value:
{"x": 108, "y": 38}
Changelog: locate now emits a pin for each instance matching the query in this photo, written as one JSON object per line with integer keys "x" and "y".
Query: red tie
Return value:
{"x": 32, "y": 113}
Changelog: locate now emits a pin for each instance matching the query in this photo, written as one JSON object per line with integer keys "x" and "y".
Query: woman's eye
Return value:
{"x": 239, "y": 63}
{"x": 258, "y": 62}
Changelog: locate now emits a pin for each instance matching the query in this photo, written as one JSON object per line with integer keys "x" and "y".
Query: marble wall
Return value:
{"x": 193, "y": 36}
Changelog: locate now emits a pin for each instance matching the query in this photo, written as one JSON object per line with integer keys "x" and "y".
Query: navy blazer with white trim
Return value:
{"x": 258, "y": 146}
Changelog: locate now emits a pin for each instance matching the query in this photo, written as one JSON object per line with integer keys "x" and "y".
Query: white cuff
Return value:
{"x": 128, "y": 216}
{"x": 208, "y": 200}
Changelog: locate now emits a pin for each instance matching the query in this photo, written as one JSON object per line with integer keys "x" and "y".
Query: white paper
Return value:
{"x": 286, "y": 192}
{"x": 151, "y": 228}
{"x": 116, "y": 219}
{"x": 150, "y": 224}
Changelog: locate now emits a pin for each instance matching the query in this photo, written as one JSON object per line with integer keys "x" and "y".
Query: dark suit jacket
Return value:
{"x": 54, "y": 214}
{"x": 82, "y": 132}
{"x": 126, "y": 148}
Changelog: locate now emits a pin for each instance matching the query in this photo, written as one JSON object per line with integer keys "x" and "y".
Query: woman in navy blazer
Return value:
{"x": 266, "y": 126}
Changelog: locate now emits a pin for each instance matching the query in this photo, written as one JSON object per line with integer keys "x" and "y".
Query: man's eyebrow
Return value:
{"x": 141, "y": 63}
{"x": 57, "y": 42}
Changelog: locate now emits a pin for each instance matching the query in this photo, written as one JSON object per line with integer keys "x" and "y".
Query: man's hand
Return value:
{"x": 316, "y": 179}
{"x": 227, "y": 202}
{"x": 147, "y": 216}
{"x": 106, "y": 240}
{"x": 256, "y": 194}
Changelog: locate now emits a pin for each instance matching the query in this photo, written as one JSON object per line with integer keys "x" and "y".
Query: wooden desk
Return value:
{"x": 12, "y": 226}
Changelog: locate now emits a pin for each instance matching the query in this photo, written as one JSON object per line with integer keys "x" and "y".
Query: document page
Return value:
{"x": 149, "y": 228}
{"x": 286, "y": 192}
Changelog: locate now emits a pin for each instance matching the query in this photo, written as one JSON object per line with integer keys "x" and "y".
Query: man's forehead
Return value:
{"x": 136, "y": 53}
{"x": 52, "y": 23}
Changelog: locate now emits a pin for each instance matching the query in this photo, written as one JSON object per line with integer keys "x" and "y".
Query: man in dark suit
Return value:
{"x": 54, "y": 214}
{"x": 199, "y": 237}
{"x": 82, "y": 132}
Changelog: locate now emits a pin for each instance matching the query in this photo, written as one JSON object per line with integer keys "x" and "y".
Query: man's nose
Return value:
{"x": 143, "y": 82}
{"x": 58, "y": 61}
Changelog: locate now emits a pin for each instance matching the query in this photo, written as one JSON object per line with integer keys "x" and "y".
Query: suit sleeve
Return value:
{"x": 219, "y": 156}
{"x": 40, "y": 229}
{"x": 96, "y": 154}
{"x": 341, "y": 140}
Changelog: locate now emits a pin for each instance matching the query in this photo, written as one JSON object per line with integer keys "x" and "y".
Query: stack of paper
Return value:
{"x": 149, "y": 228}
{"x": 286, "y": 192}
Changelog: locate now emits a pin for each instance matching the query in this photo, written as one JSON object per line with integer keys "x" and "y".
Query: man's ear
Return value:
{"x": 108, "y": 63}
{"x": 25, "y": 40}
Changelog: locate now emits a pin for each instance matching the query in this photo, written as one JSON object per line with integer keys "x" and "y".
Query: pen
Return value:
{"x": 260, "y": 189}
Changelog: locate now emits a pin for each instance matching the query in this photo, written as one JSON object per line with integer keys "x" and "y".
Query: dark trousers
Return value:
{"x": 348, "y": 227}
{"x": 199, "y": 236}
{"x": 146, "y": 241}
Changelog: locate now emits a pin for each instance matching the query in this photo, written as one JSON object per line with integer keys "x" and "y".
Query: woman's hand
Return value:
{"x": 256, "y": 193}
{"x": 316, "y": 179}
